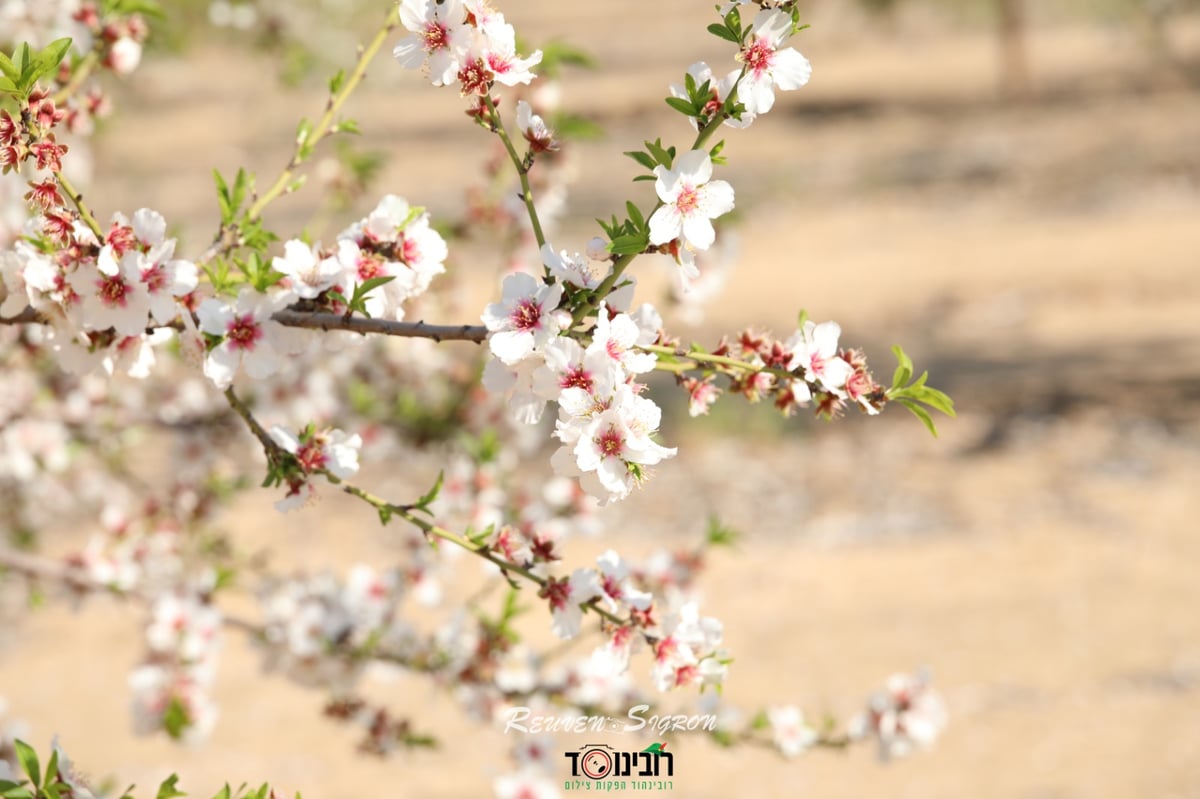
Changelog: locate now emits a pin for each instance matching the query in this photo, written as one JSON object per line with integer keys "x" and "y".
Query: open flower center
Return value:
{"x": 576, "y": 377}
{"x": 243, "y": 332}
{"x": 611, "y": 442}
{"x": 436, "y": 37}
{"x": 527, "y": 315}
{"x": 688, "y": 200}
{"x": 114, "y": 291}
{"x": 758, "y": 56}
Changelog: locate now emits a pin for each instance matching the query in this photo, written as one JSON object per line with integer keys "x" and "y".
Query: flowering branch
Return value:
{"x": 496, "y": 125}
{"x": 77, "y": 200}
{"x": 308, "y": 138}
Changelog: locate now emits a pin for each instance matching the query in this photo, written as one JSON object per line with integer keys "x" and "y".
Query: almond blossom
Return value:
{"x": 332, "y": 451}
{"x": 565, "y": 595}
{"x": 719, "y": 88}
{"x": 690, "y": 200}
{"x": 533, "y": 128}
{"x": 578, "y": 270}
{"x": 815, "y": 349}
{"x": 308, "y": 273}
{"x": 439, "y": 38}
{"x": 789, "y": 730}
{"x": 768, "y": 67}
{"x": 114, "y": 296}
{"x": 249, "y": 339}
{"x": 525, "y": 319}
{"x": 905, "y": 716}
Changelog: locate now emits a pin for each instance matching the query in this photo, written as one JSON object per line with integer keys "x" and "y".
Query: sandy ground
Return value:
{"x": 1042, "y": 259}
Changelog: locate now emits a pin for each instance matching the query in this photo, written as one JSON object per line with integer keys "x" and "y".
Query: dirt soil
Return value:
{"x": 1041, "y": 258}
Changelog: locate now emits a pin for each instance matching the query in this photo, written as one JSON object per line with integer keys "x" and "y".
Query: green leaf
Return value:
{"x": 904, "y": 369}
{"x": 7, "y": 86}
{"x": 243, "y": 183}
{"x": 645, "y": 177}
{"x": 720, "y": 534}
{"x": 347, "y": 126}
{"x": 921, "y": 414}
{"x": 635, "y": 216}
{"x": 642, "y": 158}
{"x": 429, "y": 496}
{"x": 223, "y": 793}
{"x": 168, "y": 789}
{"x": 628, "y": 245}
{"x": 683, "y": 106}
{"x": 175, "y": 719}
{"x": 664, "y": 156}
{"x": 223, "y": 200}
{"x": 14, "y": 790}
{"x": 29, "y": 762}
{"x": 52, "y": 767}
{"x": 722, "y": 32}
{"x": 8, "y": 68}
{"x": 52, "y": 55}
{"x": 335, "y": 83}
{"x": 938, "y": 400}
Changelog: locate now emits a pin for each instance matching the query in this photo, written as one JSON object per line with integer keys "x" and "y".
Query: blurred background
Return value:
{"x": 1009, "y": 189}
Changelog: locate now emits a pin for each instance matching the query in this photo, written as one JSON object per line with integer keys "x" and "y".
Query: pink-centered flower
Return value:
{"x": 690, "y": 200}
{"x": 439, "y": 38}
{"x": 249, "y": 339}
{"x": 565, "y": 595}
{"x": 815, "y": 348}
{"x": 767, "y": 66}
{"x": 525, "y": 319}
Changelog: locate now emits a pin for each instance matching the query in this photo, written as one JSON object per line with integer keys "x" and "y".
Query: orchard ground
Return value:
{"x": 1041, "y": 258}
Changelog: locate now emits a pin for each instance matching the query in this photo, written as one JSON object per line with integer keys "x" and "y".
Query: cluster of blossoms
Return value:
{"x": 331, "y": 452}
{"x": 394, "y": 242}
{"x": 907, "y": 715}
{"x": 317, "y": 629}
{"x": 571, "y": 336}
{"x": 171, "y": 689}
{"x": 807, "y": 368}
{"x": 394, "y": 246}
{"x": 605, "y": 425}
{"x": 463, "y": 42}
{"x": 117, "y": 38}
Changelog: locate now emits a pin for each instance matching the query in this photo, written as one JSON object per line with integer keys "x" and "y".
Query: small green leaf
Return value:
{"x": 642, "y": 158}
{"x": 662, "y": 155}
{"x": 29, "y": 762}
{"x": 8, "y": 68}
{"x": 684, "y": 107}
{"x": 335, "y": 83}
{"x": 629, "y": 244}
{"x": 175, "y": 719}
{"x": 169, "y": 789}
{"x": 223, "y": 793}
{"x": 347, "y": 126}
{"x": 904, "y": 369}
{"x": 921, "y": 414}
{"x": 243, "y": 183}
{"x": 723, "y": 32}
{"x": 635, "y": 216}
{"x": 429, "y": 496}
{"x": 720, "y": 534}
{"x": 52, "y": 55}
{"x": 14, "y": 790}
{"x": 52, "y": 767}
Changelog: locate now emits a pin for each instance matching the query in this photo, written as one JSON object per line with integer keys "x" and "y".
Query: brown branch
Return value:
{"x": 315, "y": 320}
{"x": 318, "y": 320}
